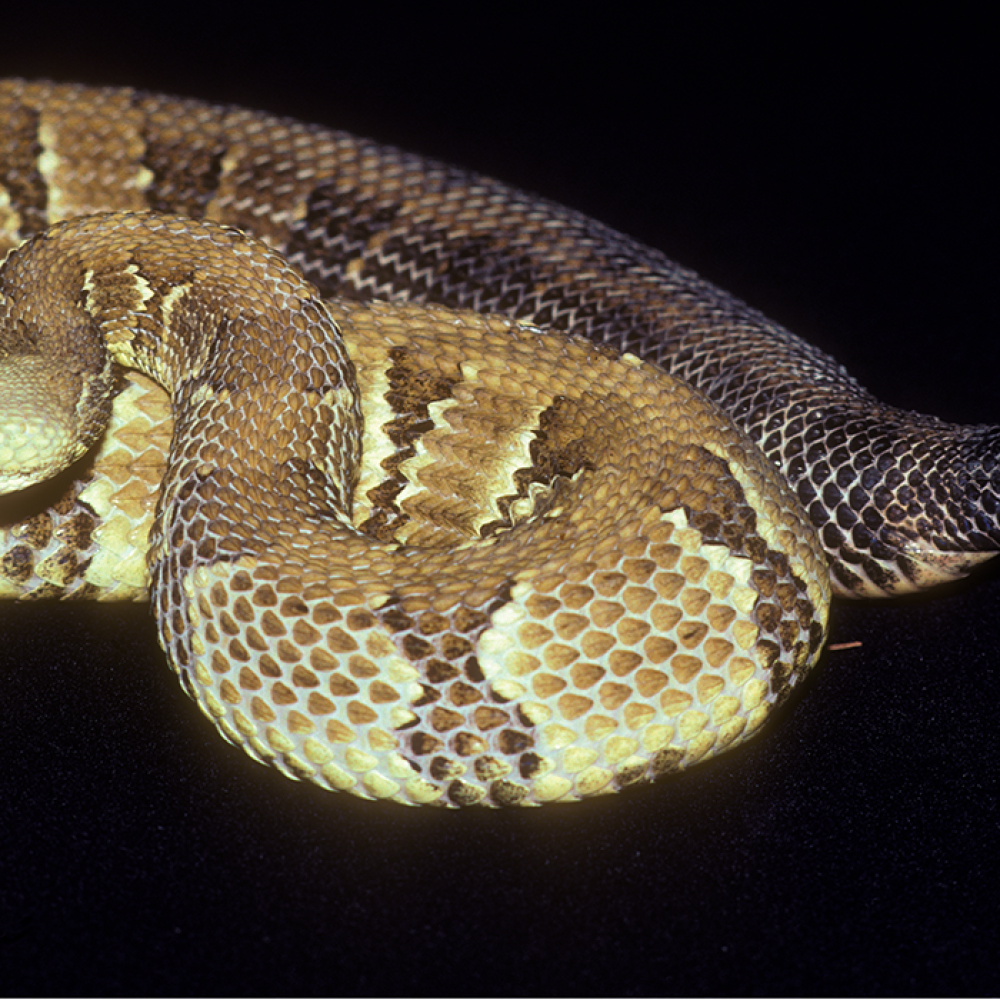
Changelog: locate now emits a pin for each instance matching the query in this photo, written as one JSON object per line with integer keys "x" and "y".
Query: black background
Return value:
{"x": 841, "y": 177}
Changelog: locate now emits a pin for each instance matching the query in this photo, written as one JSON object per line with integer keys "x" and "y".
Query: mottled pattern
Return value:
{"x": 475, "y": 563}
{"x": 576, "y": 574}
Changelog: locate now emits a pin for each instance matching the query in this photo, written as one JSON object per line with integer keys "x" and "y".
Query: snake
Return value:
{"x": 441, "y": 493}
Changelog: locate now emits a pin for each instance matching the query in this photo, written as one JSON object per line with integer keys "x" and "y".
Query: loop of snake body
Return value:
{"x": 458, "y": 497}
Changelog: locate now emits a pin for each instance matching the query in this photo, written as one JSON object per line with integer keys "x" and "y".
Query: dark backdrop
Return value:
{"x": 843, "y": 178}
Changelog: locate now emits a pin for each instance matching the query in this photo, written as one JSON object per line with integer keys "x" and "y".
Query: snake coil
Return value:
{"x": 459, "y": 497}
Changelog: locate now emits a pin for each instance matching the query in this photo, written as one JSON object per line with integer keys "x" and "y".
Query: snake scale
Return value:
{"x": 444, "y": 494}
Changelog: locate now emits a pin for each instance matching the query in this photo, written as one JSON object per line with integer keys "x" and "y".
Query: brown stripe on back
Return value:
{"x": 442, "y": 648}
{"x": 337, "y": 229}
{"x": 185, "y": 176}
{"x": 411, "y": 390}
{"x": 559, "y": 449}
{"x": 19, "y": 172}
{"x": 784, "y": 613}
{"x": 184, "y": 154}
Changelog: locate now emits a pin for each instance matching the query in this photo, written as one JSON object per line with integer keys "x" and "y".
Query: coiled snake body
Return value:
{"x": 423, "y": 533}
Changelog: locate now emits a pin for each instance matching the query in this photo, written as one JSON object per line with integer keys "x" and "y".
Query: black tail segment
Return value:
{"x": 942, "y": 517}
{"x": 902, "y": 501}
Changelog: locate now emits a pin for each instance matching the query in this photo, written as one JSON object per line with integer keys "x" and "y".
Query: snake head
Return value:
{"x": 38, "y": 437}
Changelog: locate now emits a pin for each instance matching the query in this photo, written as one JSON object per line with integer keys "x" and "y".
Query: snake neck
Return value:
{"x": 170, "y": 300}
